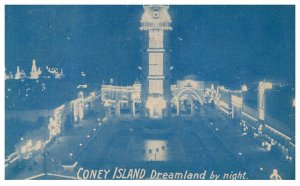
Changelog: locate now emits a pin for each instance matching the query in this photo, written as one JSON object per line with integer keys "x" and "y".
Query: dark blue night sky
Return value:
{"x": 222, "y": 43}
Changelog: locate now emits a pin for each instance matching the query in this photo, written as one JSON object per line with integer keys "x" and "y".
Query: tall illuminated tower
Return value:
{"x": 156, "y": 76}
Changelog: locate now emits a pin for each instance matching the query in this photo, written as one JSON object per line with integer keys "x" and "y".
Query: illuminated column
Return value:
{"x": 262, "y": 87}
{"x": 244, "y": 90}
{"x": 75, "y": 112}
{"x": 156, "y": 93}
{"x": 177, "y": 107}
{"x": 81, "y": 110}
{"x": 217, "y": 98}
{"x": 192, "y": 107}
{"x": 133, "y": 108}
{"x": 51, "y": 127}
{"x": 118, "y": 109}
{"x": 78, "y": 107}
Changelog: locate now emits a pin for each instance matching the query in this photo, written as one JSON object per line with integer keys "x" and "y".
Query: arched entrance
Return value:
{"x": 188, "y": 102}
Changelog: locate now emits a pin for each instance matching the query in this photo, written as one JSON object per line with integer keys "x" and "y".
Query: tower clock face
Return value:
{"x": 155, "y": 13}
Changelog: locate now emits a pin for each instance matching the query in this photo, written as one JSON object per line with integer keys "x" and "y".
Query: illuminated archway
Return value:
{"x": 188, "y": 101}
{"x": 191, "y": 92}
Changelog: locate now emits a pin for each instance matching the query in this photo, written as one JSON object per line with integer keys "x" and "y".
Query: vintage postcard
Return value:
{"x": 150, "y": 92}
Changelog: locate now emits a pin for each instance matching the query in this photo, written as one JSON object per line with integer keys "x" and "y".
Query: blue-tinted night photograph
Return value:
{"x": 149, "y": 92}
